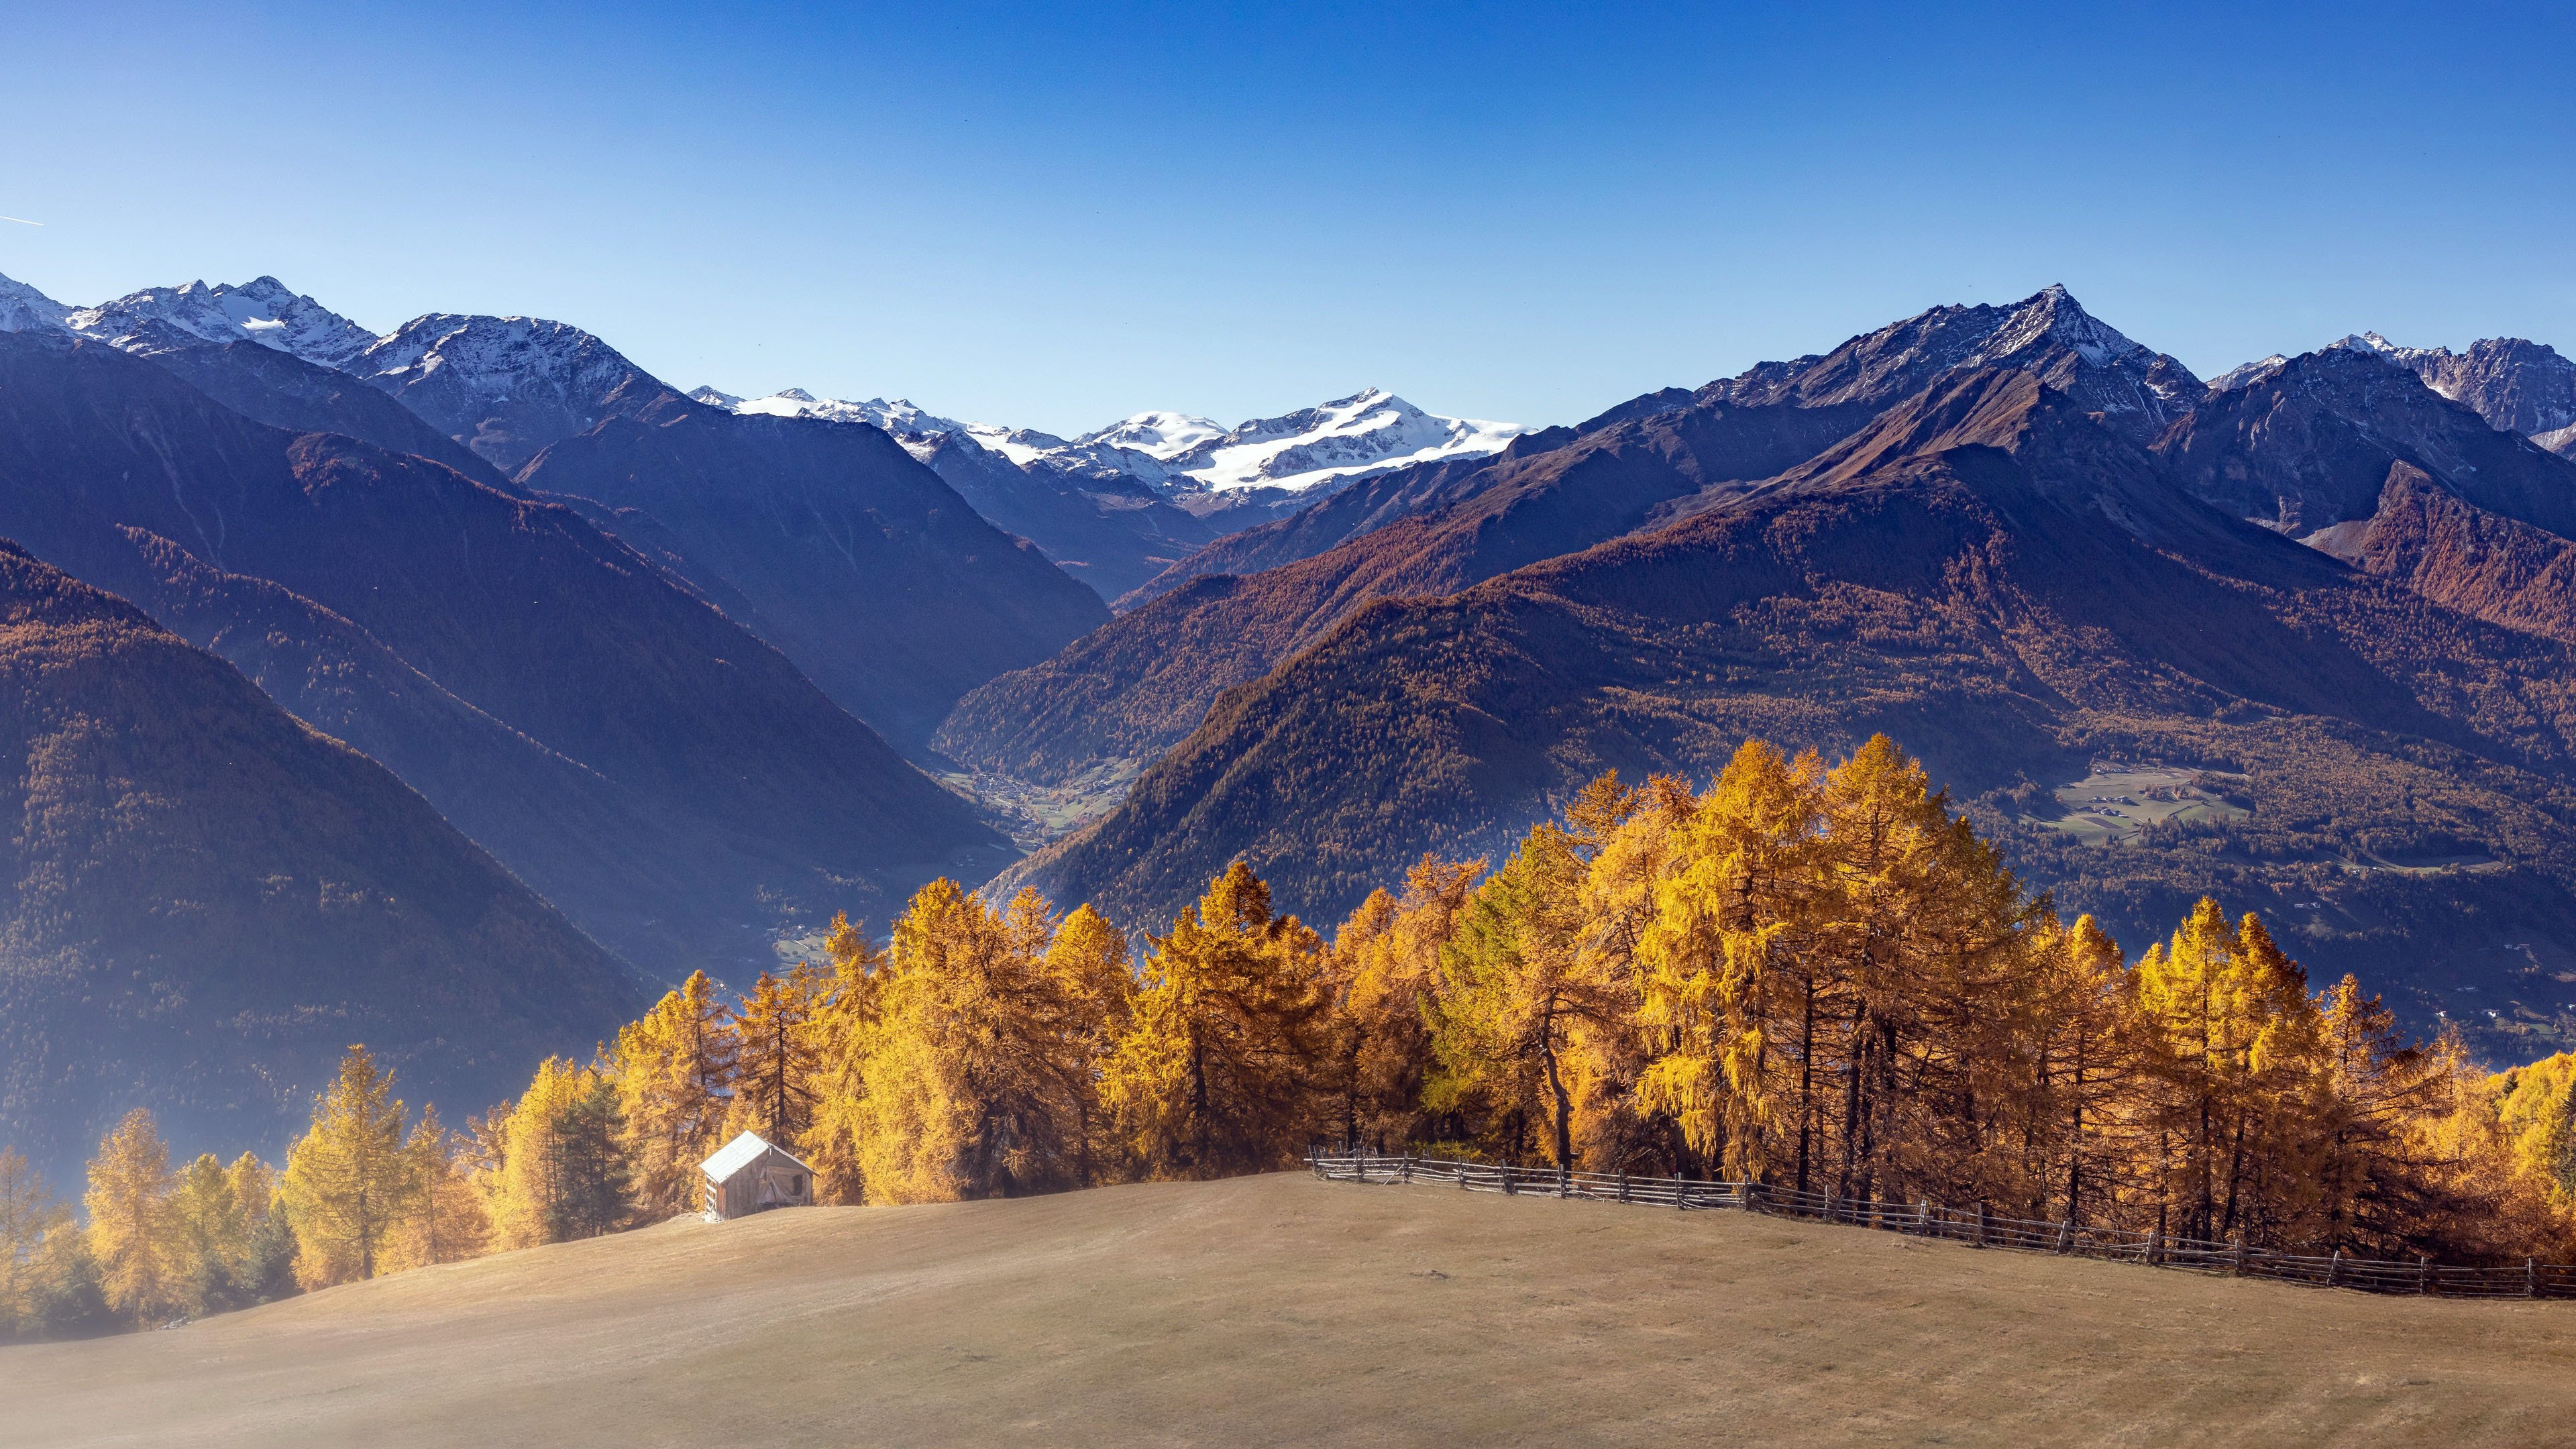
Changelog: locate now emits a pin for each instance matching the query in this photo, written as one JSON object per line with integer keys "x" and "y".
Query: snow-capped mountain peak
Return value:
{"x": 262, "y": 310}
{"x": 24, "y": 309}
{"x": 2516, "y": 384}
{"x": 503, "y": 386}
{"x": 1159, "y": 435}
{"x": 895, "y": 416}
{"x": 2248, "y": 374}
{"x": 1368, "y": 432}
{"x": 2055, "y": 316}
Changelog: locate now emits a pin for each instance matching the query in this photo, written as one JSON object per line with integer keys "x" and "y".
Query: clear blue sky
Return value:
{"x": 1054, "y": 216}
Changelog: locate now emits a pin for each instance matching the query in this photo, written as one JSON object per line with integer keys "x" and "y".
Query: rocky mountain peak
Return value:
{"x": 2516, "y": 384}
{"x": 24, "y": 309}
{"x": 262, "y": 310}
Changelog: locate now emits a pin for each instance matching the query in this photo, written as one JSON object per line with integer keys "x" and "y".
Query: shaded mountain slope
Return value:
{"x": 1112, "y": 532}
{"x": 2010, "y": 590}
{"x": 602, "y": 852}
{"x": 285, "y": 391}
{"x": 206, "y": 901}
{"x": 2310, "y": 445}
{"x": 870, "y": 573}
{"x": 518, "y": 608}
{"x": 1118, "y": 698}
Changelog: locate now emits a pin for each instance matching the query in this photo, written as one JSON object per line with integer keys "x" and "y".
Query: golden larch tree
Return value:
{"x": 674, "y": 1069}
{"x": 347, "y": 1180}
{"x": 133, "y": 1235}
{"x": 1216, "y": 1075}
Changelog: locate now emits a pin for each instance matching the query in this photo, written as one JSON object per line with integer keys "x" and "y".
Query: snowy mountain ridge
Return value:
{"x": 24, "y": 309}
{"x": 1370, "y": 431}
{"x": 263, "y": 310}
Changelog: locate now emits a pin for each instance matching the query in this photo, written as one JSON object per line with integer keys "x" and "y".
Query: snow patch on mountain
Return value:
{"x": 1161, "y": 436}
{"x": 24, "y": 309}
{"x": 263, "y": 310}
{"x": 1368, "y": 432}
{"x": 2248, "y": 374}
{"x": 2517, "y": 385}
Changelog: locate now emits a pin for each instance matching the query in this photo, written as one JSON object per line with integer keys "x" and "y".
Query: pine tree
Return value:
{"x": 348, "y": 1181}
{"x": 1096, "y": 982}
{"x": 778, "y": 1062}
{"x": 1385, "y": 975}
{"x": 674, "y": 1070}
{"x": 268, "y": 1268}
{"x": 1216, "y": 1075}
{"x": 2087, "y": 1067}
{"x": 213, "y": 1231}
{"x": 27, "y": 1213}
{"x": 842, "y": 1029}
{"x": 447, "y": 1222}
{"x": 563, "y": 1172}
{"x": 1730, "y": 985}
{"x": 1521, "y": 1008}
{"x": 132, "y": 1232}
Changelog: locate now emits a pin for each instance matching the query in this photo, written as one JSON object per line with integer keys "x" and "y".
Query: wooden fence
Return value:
{"x": 2531, "y": 1279}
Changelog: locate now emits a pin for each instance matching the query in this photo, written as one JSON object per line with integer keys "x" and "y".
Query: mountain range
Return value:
{"x": 639, "y": 681}
{"x": 1120, "y": 505}
{"x": 2328, "y": 599}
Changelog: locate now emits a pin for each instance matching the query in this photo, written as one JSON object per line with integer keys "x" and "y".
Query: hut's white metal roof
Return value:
{"x": 742, "y": 1152}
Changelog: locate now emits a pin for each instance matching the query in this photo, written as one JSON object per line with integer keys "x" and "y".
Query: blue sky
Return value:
{"x": 1056, "y": 216}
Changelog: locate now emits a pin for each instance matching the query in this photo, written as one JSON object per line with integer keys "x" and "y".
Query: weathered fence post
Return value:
{"x": 1462, "y": 1177}
{"x": 1508, "y": 1189}
{"x": 2531, "y": 1277}
{"x": 2240, "y": 1255}
{"x": 1981, "y": 1224}
{"x": 2065, "y": 1235}
{"x": 1623, "y": 1187}
{"x": 1564, "y": 1180}
{"x": 2334, "y": 1268}
{"x": 1923, "y": 1217}
{"x": 1408, "y": 1169}
{"x": 1679, "y": 1202}
{"x": 2424, "y": 1273}
{"x": 2155, "y": 1249}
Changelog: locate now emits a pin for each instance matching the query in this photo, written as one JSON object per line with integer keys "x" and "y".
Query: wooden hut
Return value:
{"x": 747, "y": 1175}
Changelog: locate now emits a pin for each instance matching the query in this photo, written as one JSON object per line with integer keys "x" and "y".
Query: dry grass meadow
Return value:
{"x": 1283, "y": 1310}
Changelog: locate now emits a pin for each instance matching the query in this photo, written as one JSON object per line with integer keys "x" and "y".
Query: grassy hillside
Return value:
{"x": 1282, "y": 1310}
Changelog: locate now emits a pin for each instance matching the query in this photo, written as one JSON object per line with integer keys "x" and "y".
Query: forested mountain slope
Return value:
{"x": 207, "y": 901}
{"x": 867, "y": 570}
{"x": 2457, "y": 554}
{"x": 770, "y": 803}
{"x": 2007, "y": 587}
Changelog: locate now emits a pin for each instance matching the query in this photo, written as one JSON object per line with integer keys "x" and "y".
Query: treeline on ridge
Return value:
{"x": 1802, "y": 976}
